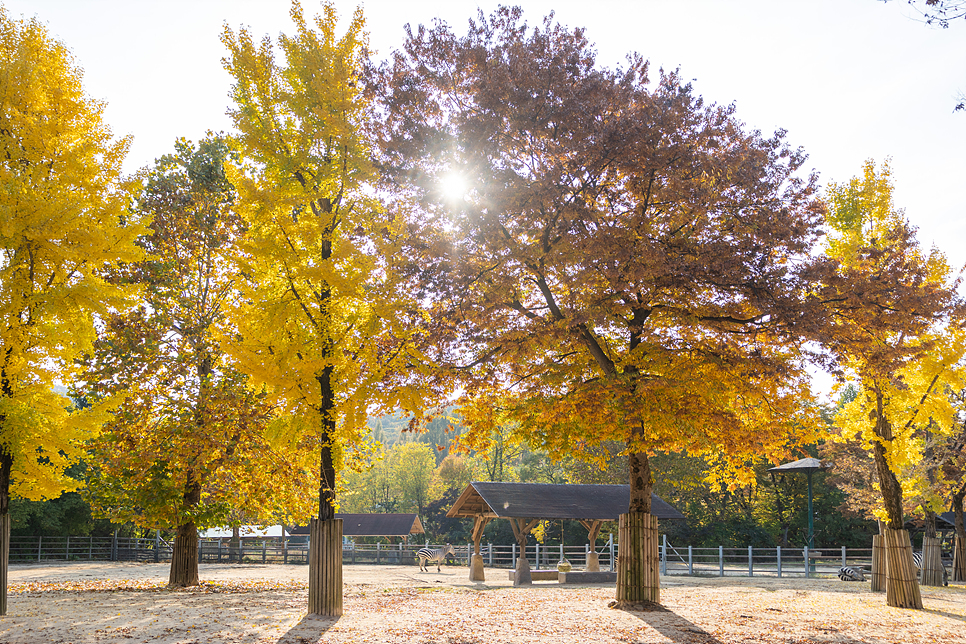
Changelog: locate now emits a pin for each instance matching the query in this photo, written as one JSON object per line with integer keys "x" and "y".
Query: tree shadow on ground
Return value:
{"x": 945, "y": 614}
{"x": 670, "y": 624}
{"x": 309, "y": 630}
{"x": 683, "y": 631}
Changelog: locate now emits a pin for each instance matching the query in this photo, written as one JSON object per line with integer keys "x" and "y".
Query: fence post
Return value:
{"x": 90, "y": 548}
{"x": 690, "y": 561}
{"x": 157, "y": 546}
{"x": 67, "y": 550}
{"x": 378, "y": 551}
{"x": 843, "y": 557}
{"x": 779, "y": 554}
{"x": 489, "y": 550}
{"x": 513, "y": 558}
{"x": 561, "y": 551}
{"x": 40, "y": 546}
{"x": 805, "y": 554}
{"x": 721, "y": 561}
{"x": 613, "y": 567}
{"x": 537, "y": 565}
{"x": 751, "y": 564}
{"x": 114, "y": 547}
{"x": 664, "y": 555}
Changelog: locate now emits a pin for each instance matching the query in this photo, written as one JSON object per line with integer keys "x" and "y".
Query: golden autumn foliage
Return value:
{"x": 322, "y": 322}
{"x": 896, "y": 329}
{"x": 63, "y": 220}
{"x": 625, "y": 263}
{"x": 191, "y": 445}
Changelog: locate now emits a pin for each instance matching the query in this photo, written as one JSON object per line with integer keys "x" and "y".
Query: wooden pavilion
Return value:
{"x": 525, "y": 504}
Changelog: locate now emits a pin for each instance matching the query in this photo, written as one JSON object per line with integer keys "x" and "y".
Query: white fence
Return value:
{"x": 675, "y": 560}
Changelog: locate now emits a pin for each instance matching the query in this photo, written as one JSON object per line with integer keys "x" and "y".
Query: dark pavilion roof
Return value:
{"x": 545, "y": 501}
{"x": 374, "y": 525}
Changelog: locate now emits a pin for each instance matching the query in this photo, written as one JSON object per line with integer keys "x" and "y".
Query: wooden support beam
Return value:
{"x": 593, "y": 529}
{"x": 478, "y": 526}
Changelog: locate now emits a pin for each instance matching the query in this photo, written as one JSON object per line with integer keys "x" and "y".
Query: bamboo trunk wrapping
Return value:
{"x": 4, "y": 560}
{"x": 932, "y": 567}
{"x": 325, "y": 567}
{"x": 902, "y": 588}
{"x": 879, "y": 563}
{"x": 959, "y": 559}
{"x": 184, "y": 558}
{"x": 638, "y": 578}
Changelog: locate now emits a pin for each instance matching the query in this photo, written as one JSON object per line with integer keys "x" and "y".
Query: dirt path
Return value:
{"x": 86, "y": 603}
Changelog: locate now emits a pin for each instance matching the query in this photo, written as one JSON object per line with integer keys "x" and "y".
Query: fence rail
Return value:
{"x": 675, "y": 560}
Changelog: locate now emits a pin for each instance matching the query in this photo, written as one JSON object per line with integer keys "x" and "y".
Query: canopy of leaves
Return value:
{"x": 322, "y": 321}
{"x": 191, "y": 443}
{"x": 624, "y": 258}
{"x": 896, "y": 328}
{"x": 63, "y": 219}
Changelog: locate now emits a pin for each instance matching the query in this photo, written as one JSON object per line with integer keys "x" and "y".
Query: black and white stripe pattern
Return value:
{"x": 917, "y": 561}
{"x": 433, "y": 554}
{"x": 850, "y": 573}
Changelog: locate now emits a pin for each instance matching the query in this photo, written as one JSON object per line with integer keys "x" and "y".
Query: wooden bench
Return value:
{"x": 539, "y": 575}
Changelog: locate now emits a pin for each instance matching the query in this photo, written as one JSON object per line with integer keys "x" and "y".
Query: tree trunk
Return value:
{"x": 889, "y": 485}
{"x": 959, "y": 551}
{"x": 930, "y": 523}
{"x": 932, "y": 567}
{"x": 325, "y": 567}
{"x": 234, "y": 545}
{"x": 184, "y": 557}
{"x": 325, "y": 547}
{"x": 6, "y": 466}
{"x": 641, "y": 483}
{"x": 637, "y": 555}
{"x": 879, "y": 564}
{"x": 902, "y": 588}
{"x": 638, "y": 578}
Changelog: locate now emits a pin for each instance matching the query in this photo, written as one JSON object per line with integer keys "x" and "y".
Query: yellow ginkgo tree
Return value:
{"x": 323, "y": 321}
{"x": 895, "y": 326}
{"x": 63, "y": 218}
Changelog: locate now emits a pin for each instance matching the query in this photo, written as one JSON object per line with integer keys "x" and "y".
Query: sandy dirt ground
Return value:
{"x": 100, "y": 603}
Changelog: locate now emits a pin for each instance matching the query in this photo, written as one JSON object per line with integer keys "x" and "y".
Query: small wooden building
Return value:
{"x": 374, "y": 525}
{"x": 525, "y": 504}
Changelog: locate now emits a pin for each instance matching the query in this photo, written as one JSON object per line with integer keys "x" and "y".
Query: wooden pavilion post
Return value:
{"x": 521, "y": 528}
{"x": 476, "y": 561}
{"x": 593, "y": 530}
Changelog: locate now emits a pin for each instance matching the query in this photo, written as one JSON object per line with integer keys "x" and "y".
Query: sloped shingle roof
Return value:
{"x": 546, "y": 501}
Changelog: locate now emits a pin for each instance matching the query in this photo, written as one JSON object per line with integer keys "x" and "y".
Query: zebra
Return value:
{"x": 917, "y": 562}
{"x": 849, "y": 573}
{"x": 431, "y": 554}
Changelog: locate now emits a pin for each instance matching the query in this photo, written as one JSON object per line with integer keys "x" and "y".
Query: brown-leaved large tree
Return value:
{"x": 611, "y": 258}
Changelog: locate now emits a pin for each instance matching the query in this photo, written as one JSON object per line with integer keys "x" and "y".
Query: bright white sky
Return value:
{"x": 848, "y": 79}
